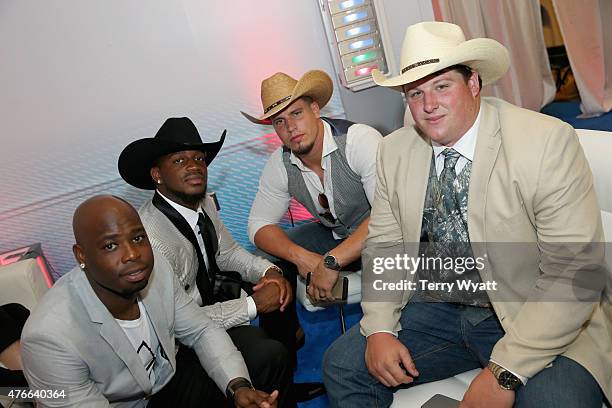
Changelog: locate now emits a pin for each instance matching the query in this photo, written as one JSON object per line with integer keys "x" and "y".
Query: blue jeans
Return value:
{"x": 444, "y": 340}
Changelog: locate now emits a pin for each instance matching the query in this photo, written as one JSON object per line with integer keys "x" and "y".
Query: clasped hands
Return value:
{"x": 272, "y": 292}
{"x": 322, "y": 279}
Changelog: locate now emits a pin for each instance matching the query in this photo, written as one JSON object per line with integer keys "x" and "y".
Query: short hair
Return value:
{"x": 465, "y": 71}
{"x": 307, "y": 99}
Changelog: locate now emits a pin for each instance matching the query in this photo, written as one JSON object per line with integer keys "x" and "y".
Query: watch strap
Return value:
{"x": 235, "y": 385}
{"x": 499, "y": 372}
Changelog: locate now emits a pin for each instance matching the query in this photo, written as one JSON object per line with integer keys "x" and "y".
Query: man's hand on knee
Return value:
{"x": 389, "y": 361}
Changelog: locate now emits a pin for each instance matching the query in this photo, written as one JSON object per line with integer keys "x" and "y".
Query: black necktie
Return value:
{"x": 206, "y": 276}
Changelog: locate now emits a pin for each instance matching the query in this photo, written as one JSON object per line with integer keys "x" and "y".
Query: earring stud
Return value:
{"x": 82, "y": 265}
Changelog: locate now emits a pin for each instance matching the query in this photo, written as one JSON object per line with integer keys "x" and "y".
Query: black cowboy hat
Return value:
{"x": 175, "y": 135}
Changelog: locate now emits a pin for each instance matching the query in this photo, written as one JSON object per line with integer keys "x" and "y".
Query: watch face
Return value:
{"x": 508, "y": 381}
{"x": 330, "y": 261}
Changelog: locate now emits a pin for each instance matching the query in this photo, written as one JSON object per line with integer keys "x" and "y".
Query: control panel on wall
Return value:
{"x": 356, "y": 41}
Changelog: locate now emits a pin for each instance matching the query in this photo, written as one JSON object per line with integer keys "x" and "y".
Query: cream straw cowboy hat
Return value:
{"x": 280, "y": 90}
{"x": 429, "y": 47}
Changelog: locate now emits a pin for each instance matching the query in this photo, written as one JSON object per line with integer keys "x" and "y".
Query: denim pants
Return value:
{"x": 444, "y": 339}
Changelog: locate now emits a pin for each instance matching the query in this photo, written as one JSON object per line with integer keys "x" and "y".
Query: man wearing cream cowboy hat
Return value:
{"x": 328, "y": 165}
{"x": 470, "y": 173}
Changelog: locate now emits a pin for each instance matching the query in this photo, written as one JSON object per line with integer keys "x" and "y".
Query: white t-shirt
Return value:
{"x": 140, "y": 335}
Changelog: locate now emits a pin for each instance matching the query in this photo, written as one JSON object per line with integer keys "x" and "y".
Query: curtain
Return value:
{"x": 518, "y": 26}
{"x": 588, "y": 41}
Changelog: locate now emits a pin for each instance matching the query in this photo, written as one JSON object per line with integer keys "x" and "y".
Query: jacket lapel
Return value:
{"x": 205, "y": 277}
{"x": 485, "y": 155}
{"x": 110, "y": 331}
{"x": 151, "y": 298}
{"x": 178, "y": 221}
{"x": 418, "y": 161}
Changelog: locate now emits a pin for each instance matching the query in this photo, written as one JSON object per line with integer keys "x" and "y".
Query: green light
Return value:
{"x": 359, "y": 59}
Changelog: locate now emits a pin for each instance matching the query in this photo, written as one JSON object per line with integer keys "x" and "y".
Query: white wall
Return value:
{"x": 80, "y": 79}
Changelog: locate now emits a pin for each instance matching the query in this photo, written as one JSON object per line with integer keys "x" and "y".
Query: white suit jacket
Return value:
{"x": 71, "y": 342}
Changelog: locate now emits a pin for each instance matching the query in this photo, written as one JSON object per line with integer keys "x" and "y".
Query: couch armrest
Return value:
{"x": 22, "y": 282}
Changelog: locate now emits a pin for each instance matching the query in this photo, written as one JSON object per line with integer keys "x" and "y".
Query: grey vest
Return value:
{"x": 350, "y": 201}
{"x": 446, "y": 237}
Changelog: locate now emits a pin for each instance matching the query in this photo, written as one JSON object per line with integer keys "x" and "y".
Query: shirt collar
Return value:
{"x": 329, "y": 146}
{"x": 466, "y": 145}
{"x": 187, "y": 213}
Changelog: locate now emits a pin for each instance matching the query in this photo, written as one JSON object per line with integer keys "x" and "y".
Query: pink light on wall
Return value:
{"x": 44, "y": 271}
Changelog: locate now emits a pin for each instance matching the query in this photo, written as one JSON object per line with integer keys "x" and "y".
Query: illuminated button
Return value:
{"x": 350, "y": 3}
{"x": 358, "y": 30}
{"x": 354, "y": 17}
{"x": 361, "y": 58}
{"x": 361, "y": 44}
{"x": 365, "y": 70}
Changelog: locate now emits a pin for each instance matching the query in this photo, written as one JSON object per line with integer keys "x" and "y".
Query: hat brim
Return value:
{"x": 484, "y": 55}
{"x": 136, "y": 160}
{"x": 315, "y": 84}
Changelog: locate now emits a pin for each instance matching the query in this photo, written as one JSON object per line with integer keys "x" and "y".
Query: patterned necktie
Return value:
{"x": 452, "y": 232}
{"x": 447, "y": 183}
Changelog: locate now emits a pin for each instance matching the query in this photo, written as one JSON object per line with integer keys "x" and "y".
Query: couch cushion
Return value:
{"x": 453, "y": 387}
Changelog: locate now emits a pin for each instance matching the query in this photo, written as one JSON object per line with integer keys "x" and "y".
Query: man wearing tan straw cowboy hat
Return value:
{"x": 183, "y": 223}
{"x": 470, "y": 174}
{"x": 328, "y": 165}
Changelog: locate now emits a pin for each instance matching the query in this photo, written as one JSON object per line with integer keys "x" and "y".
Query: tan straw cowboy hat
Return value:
{"x": 429, "y": 47}
{"x": 280, "y": 90}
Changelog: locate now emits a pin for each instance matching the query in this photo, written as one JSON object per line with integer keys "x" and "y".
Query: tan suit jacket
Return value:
{"x": 530, "y": 183}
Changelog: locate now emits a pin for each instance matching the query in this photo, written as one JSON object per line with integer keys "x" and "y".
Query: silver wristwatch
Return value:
{"x": 331, "y": 262}
{"x": 505, "y": 378}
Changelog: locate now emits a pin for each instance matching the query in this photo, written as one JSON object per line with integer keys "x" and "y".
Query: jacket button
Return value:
{"x": 187, "y": 287}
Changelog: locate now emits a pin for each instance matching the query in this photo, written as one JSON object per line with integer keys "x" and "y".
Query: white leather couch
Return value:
{"x": 21, "y": 282}
{"x": 597, "y": 147}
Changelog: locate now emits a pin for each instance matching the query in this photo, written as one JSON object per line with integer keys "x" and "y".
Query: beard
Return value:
{"x": 125, "y": 293}
{"x": 192, "y": 200}
{"x": 303, "y": 149}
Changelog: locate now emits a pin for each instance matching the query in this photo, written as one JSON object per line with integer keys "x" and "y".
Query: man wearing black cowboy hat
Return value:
{"x": 182, "y": 222}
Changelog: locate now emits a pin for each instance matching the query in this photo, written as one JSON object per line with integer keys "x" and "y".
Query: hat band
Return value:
{"x": 275, "y": 104}
{"x": 418, "y": 64}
